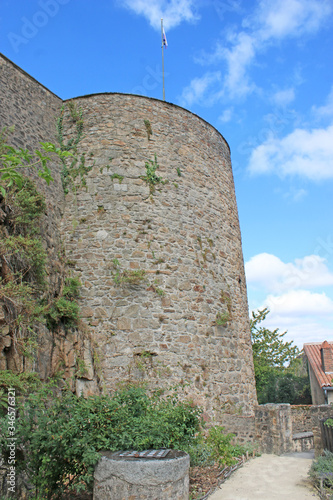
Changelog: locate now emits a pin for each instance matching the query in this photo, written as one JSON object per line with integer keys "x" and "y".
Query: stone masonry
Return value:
{"x": 182, "y": 317}
{"x": 184, "y": 236}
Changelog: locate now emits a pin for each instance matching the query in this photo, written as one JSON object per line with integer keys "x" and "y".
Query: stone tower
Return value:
{"x": 161, "y": 263}
{"x": 154, "y": 237}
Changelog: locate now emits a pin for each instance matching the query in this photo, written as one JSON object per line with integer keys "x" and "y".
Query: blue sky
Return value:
{"x": 261, "y": 72}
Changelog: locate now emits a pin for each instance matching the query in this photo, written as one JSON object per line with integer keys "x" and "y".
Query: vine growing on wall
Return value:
{"x": 73, "y": 173}
{"x": 151, "y": 178}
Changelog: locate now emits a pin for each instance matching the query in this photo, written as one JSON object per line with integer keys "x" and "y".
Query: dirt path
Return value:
{"x": 270, "y": 477}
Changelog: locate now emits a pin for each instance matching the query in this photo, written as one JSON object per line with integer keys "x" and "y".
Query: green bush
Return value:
{"x": 223, "y": 450}
{"x": 217, "y": 447}
{"x": 65, "y": 310}
{"x": 23, "y": 383}
{"x": 61, "y": 436}
{"x": 29, "y": 205}
{"x": 321, "y": 471}
{"x": 26, "y": 256}
{"x": 200, "y": 452}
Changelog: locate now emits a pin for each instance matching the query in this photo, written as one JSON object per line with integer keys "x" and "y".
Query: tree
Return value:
{"x": 277, "y": 365}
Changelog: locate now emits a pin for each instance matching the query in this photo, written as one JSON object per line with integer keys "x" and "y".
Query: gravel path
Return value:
{"x": 270, "y": 477}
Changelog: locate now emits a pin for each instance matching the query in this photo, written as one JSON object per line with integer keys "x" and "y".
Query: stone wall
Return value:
{"x": 33, "y": 110}
{"x": 318, "y": 413}
{"x": 273, "y": 426}
{"x": 242, "y": 426}
{"x": 301, "y": 416}
{"x": 184, "y": 236}
{"x": 280, "y": 428}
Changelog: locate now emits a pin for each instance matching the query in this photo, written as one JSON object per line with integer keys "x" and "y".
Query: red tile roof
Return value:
{"x": 313, "y": 353}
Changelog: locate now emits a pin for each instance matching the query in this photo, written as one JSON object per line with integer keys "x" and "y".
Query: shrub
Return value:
{"x": 321, "y": 471}
{"x": 63, "y": 311}
{"x": 61, "y": 436}
{"x": 217, "y": 447}
{"x": 222, "y": 450}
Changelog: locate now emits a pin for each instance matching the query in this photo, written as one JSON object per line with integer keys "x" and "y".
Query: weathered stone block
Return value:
{"x": 118, "y": 478}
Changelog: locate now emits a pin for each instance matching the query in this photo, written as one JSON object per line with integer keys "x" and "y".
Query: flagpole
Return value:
{"x": 162, "y": 58}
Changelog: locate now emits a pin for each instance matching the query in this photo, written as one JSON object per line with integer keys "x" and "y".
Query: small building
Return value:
{"x": 320, "y": 362}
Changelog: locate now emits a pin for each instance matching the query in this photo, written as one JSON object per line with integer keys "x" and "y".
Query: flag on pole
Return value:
{"x": 165, "y": 42}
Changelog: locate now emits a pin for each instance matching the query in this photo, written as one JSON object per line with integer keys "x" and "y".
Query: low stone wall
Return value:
{"x": 301, "y": 416}
{"x": 318, "y": 413}
{"x": 281, "y": 428}
{"x": 273, "y": 428}
{"x": 242, "y": 426}
{"x": 303, "y": 441}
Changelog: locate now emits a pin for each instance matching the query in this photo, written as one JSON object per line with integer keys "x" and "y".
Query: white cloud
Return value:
{"x": 198, "y": 88}
{"x": 305, "y": 316}
{"x": 296, "y": 195}
{"x": 301, "y": 329}
{"x": 290, "y": 18}
{"x": 284, "y": 97}
{"x": 270, "y": 24}
{"x": 226, "y": 115}
{"x": 173, "y": 12}
{"x": 272, "y": 275}
{"x": 306, "y": 153}
{"x": 238, "y": 58}
{"x": 327, "y": 109}
{"x": 300, "y": 303}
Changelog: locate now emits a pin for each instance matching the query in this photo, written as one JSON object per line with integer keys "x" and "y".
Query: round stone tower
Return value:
{"x": 155, "y": 239}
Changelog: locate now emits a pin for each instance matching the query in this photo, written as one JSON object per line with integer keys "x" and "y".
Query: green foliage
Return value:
{"x": 73, "y": 174}
{"x": 148, "y": 128}
{"x": 277, "y": 366}
{"x": 27, "y": 206}
{"x": 23, "y": 261}
{"x": 179, "y": 172}
{"x": 268, "y": 346}
{"x": 222, "y": 318}
{"x": 321, "y": 472}
{"x": 118, "y": 176}
{"x": 61, "y": 435}
{"x": 223, "y": 451}
{"x": 65, "y": 310}
{"x": 329, "y": 422}
{"x": 23, "y": 383}
{"x": 200, "y": 452}
{"x": 12, "y": 160}
{"x": 216, "y": 447}
{"x": 151, "y": 178}
{"x": 123, "y": 277}
{"x": 27, "y": 257}
{"x": 71, "y": 289}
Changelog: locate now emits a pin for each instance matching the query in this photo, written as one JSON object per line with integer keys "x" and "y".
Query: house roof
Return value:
{"x": 313, "y": 352}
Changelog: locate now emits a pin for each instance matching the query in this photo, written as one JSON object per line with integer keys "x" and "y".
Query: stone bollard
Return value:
{"x": 138, "y": 478}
